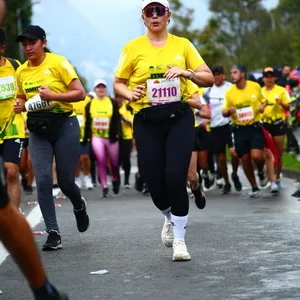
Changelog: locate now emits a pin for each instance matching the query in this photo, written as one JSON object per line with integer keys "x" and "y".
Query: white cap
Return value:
{"x": 99, "y": 81}
{"x": 165, "y": 3}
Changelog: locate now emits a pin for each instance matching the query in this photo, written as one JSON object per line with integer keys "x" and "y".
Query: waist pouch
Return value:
{"x": 45, "y": 122}
{"x": 254, "y": 125}
{"x": 161, "y": 113}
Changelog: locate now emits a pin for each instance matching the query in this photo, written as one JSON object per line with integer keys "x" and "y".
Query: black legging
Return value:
{"x": 165, "y": 152}
{"x": 125, "y": 153}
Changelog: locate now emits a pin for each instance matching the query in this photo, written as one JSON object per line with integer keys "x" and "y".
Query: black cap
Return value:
{"x": 32, "y": 32}
{"x": 217, "y": 69}
{"x": 240, "y": 67}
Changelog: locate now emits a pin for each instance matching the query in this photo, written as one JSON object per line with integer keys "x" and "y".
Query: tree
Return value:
{"x": 17, "y": 11}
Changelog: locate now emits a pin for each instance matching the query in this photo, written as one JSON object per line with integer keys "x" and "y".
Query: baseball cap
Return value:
{"x": 217, "y": 69}
{"x": 268, "y": 70}
{"x": 100, "y": 81}
{"x": 240, "y": 67}
{"x": 32, "y": 32}
{"x": 165, "y": 3}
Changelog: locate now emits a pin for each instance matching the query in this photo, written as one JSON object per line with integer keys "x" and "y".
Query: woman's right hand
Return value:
{"x": 19, "y": 106}
{"x": 138, "y": 92}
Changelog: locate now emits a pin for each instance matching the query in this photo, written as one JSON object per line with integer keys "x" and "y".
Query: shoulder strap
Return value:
{"x": 206, "y": 95}
{"x": 13, "y": 62}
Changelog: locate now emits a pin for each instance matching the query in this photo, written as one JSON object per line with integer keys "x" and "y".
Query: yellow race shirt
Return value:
{"x": 143, "y": 63}
{"x": 274, "y": 111}
{"x": 127, "y": 130}
{"x": 246, "y": 102}
{"x": 11, "y": 126}
{"x": 79, "y": 109}
{"x": 55, "y": 72}
{"x": 101, "y": 112}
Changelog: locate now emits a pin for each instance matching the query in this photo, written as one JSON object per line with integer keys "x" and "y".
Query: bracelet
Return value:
{"x": 192, "y": 74}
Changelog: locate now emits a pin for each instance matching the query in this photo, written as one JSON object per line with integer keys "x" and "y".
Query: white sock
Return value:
{"x": 179, "y": 226}
{"x": 167, "y": 213}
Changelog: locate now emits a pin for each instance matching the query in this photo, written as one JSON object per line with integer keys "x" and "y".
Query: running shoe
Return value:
{"x": 180, "y": 252}
{"x": 127, "y": 186}
{"x": 200, "y": 198}
{"x": 105, "y": 193}
{"x": 296, "y": 194}
{"x": 53, "y": 241}
{"x": 254, "y": 193}
{"x": 78, "y": 181}
{"x": 167, "y": 235}
{"x": 274, "y": 187}
{"x": 82, "y": 218}
{"x": 263, "y": 179}
{"x": 87, "y": 182}
{"x": 220, "y": 183}
{"x": 236, "y": 181}
{"x": 54, "y": 294}
{"x": 116, "y": 187}
{"x": 145, "y": 190}
{"x": 138, "y": 183}
{"x": 226, "y": 189}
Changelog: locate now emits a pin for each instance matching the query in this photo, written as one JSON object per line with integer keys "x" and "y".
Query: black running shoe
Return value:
{"x": 236, "y": 181}
{"x": 116, "y": 187}
{"x": 200, "y": 198}
{"x": 145, "y": 190}
{"x": 105, "y": 193}
{"x": 226, "y": 189}
{"x": 82, "y": 218}
{"x": 138, "y": 185}
{"x": 296, "y": 194}
{"x": 54, "y": 294}
{"x": 53, "y": 241}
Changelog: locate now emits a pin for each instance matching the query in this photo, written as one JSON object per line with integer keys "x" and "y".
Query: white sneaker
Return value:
{"x": 167, "y": 235}
{"x": 78, "y": 181}
{"x": 180, "y": 252}
{"x": 56, "y": 191}
{"x": 87, "y": 181}
{"x": 274, "y": 187}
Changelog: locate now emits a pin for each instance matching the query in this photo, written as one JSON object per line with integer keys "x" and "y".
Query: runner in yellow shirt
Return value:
{"x": 84, "y": 161}
{"x": 47, "y": 84}
{"x": 244, "y": 103}
{"x": 12, "y": 127}
{"x": 157, "y": 67}
{"x": 274, "y": 116}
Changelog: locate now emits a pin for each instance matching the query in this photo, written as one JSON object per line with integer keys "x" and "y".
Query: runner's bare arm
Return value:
{"x": 194, "y": 101}
{"x": 120, "y": 88}
{"x": 19, "y": 105}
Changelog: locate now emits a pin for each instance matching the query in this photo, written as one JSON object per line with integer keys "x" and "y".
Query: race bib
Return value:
{"x": 101, "y": 124}
{"x": 163, "y": 91}
{"x": 80, "y": 119}
{"x": 245, "y": 114}
{"x": 7, "y": 87}
{"x": 36, "y": 104}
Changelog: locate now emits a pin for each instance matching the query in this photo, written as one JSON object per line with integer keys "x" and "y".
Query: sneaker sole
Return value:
{"x": 85, "y": 205}
{"x": 52, "y": 248}
{"x": 181, "y": 258}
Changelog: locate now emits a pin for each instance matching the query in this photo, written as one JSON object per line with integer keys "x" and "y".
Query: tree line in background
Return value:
{"x": 243, "y": 32}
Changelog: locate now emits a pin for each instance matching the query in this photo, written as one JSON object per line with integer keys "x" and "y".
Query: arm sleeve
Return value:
{"x": 125, "y": 65}
{"x": 193, "y": 57}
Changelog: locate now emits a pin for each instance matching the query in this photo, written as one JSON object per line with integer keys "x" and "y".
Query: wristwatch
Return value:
{"x": 192, "y": 74}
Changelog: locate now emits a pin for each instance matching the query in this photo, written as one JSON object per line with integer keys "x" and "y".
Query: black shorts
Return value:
{"x": 3, "y": 189}
{"x": 220, "y": 138}
{"x": 85, "y": 148}
{"x": 25, "y": 143}
{"x": 278, "y": 128}
{"x": 202, "y": 139}
{"x": 11, "y": 150}
{"x": 247, "y": 138}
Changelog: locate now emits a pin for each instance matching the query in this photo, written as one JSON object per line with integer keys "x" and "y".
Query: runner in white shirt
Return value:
{"x": 221, "y": 135}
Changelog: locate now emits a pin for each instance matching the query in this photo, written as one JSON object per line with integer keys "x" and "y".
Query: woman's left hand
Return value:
{"x": 174, "y": 72}
{"x": 45, "y": 93}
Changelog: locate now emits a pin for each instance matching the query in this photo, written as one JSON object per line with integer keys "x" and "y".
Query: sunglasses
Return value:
{"x": 159, "y": 10}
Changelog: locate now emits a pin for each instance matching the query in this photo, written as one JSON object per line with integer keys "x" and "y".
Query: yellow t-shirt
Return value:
{"x": 127, "y": 130}
{"x": 55, "y": 72}
{"x": 11, "y": 126}
{"x": 140, "y": 61}
{"x": 101, "y": 112}
{"x": 246, "y": 102}
{"x": 274, "y": 111}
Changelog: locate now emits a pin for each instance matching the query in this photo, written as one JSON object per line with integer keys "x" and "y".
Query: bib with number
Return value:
{"x": 7, "y": 87}
{"x": 163, "y": 91}
{"x": 80, "y": 119}
{"x": 36, "y": 103}
{"x": 245, "y": 114}
{"x": 101, "y": 124}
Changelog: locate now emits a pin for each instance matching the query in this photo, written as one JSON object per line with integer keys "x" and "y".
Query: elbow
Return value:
{"x": 210, "y": 81}
{"x": 224, "y": 114}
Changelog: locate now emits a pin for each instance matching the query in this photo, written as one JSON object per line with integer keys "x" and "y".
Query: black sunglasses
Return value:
{"x": 159, "y": 10}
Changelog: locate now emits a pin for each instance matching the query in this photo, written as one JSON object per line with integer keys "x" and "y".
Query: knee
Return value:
{"x": 12, "y": 173}
{"x": 257, "y": 156}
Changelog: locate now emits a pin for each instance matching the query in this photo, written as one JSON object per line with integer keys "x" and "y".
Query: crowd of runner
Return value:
{"x": 184, "y": 121}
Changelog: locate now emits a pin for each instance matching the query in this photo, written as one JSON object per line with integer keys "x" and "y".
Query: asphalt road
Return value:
{"x": 241, "y": 249}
